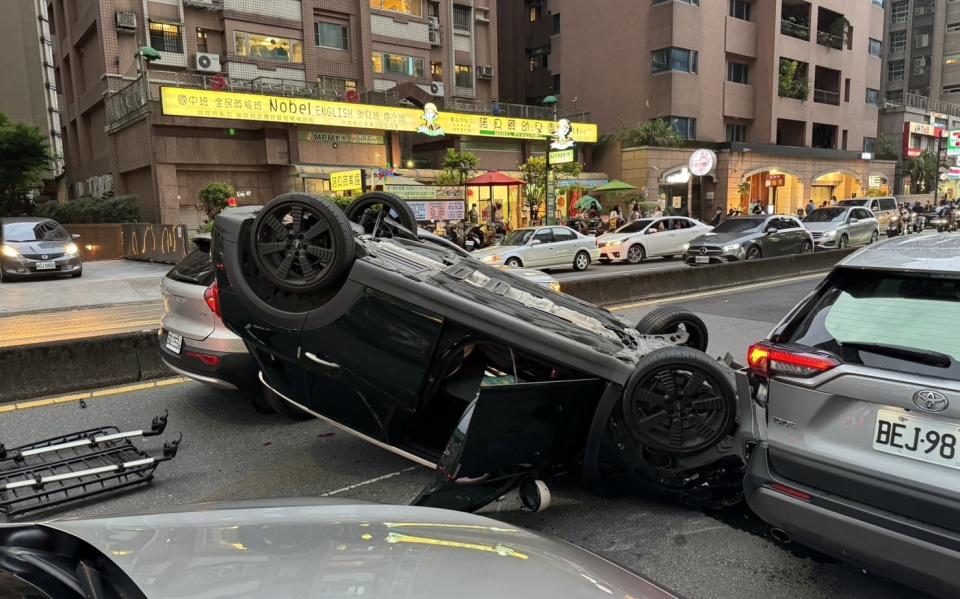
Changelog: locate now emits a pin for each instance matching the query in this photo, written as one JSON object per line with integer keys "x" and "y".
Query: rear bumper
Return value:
{"x": 235, "y": 370}
{"x": 918, "y": 554}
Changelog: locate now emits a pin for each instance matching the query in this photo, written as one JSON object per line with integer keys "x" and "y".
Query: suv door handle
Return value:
{"x": 313, "y": 358}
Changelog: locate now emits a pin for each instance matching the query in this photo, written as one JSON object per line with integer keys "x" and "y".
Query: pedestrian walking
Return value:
{"x": 810, "y": 206}
{"x": 833, "y": 200}
{"x": 658, "y": 212}
{"x": 717, "y": 217}
{"x": 473, "y": 216}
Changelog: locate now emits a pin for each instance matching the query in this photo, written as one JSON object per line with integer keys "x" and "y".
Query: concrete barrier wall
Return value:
{"x": 155, "y": 243}
{"x": 59, "y": 367}
{"x": 622, "y": 289}
{"x": 98, "y": 241}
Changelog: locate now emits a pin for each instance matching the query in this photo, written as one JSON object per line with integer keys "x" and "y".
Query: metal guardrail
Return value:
{"x": 126, "y": 102}
{"x": 795, "y": 30}
{"x": 895, "y": 100}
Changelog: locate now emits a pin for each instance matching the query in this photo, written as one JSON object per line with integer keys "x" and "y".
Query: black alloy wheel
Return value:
{"x": 679, "y": 402}
{"x": 754, "y": 253}
{"x": 383, "y": 215}
{"x": 302, "y": 243}
{"x": 667, "y": 320}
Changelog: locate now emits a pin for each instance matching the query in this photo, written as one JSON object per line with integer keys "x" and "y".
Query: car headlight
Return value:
{"x": 829, "y": 234}
{"x": 731, "y": 249}
{"x": 491, "y": 259}
{"x": 71, "y": 248}
{"x": 9, "y": 252}
{"x": 555, "y": 285}
{"x": 686, "y": 246}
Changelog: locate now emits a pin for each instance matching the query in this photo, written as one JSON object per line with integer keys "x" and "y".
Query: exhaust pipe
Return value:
{"x": 779, "y": 535}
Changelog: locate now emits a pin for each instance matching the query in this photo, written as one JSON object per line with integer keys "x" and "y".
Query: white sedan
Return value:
{"x": 648, "y": 237}
{"x": 542, "y": 247}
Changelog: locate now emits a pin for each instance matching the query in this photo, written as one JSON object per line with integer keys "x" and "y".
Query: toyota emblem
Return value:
{"x": 703, "y": 251}
{"x": 929, "y": 400}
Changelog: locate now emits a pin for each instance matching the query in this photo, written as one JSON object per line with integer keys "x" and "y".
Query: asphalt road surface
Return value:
{"x": 231, "y": 452}
{"x": 618, "y": 268}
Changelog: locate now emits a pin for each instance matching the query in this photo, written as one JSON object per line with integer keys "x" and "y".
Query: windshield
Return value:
{"x": 45, "y": 230}
{"x": 635, "y": 227}
{"x": 738, "y": 225}
{"x": 892, "y": 309}
{"x": 827, "y": 215}
{"x": 852, "y": 202}
{"x": 518, "y": 237}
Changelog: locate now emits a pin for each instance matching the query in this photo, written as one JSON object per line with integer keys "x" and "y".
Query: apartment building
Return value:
{"x": 776, "y": 87}
{"x": 113, "y": 57}
{"x": 29, "y": 93}
{"x": 922, "y": 54}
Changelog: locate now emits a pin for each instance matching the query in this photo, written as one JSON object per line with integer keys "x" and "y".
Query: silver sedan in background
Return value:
{"x": 542, "y": 247}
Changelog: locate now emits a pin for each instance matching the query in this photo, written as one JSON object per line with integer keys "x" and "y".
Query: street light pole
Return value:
{"x": 936, "y": 179}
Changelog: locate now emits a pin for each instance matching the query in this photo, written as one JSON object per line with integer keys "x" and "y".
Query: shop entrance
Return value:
{"x": 835, "y": 184}
{"x": 773, "y": 191}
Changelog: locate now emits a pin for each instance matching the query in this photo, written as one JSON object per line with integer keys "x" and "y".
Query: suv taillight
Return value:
{"x": 212, "y": 296}
{"x": 767, "y": 360}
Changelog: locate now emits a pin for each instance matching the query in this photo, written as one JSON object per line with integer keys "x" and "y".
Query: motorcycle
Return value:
{"x": 948, "y": 221}
{"x": 897, "y": 225}
{"x": 918, "y": 222}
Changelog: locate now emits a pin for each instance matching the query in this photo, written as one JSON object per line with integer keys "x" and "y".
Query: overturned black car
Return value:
{"x": 493, "y": 381}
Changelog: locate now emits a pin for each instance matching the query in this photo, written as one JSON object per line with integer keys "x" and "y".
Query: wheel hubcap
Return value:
{"x": 634, "y": 254}
{"x": 294, "y": 244}
{"x": 581, "y": 262}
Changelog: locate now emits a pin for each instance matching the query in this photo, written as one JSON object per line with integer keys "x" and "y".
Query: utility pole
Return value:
{"x": 936, "y": 179}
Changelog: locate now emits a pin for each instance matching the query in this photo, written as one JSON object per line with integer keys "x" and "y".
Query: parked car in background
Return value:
{"x": 650, "y": 237}
{"x": 859, "y": 390}
{"x": 318, "y": 547}
{"x": 837, "y": 227}
{"x": 882, "y": 208}
{"x": 542, "y": 247}
{"x": 34, "y": 246}
{"x": 750, "y": 238}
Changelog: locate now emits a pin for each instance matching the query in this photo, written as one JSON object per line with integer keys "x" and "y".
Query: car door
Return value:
{"x": 539, "y": 254}
{"x": 685, "y": 231}
{"x": 797, "y": 234}
{"x": 865, "y": 226}
{"x": 774, "y": 241}
{"x": 566, "y": 244}
{"x": 656, "y": 238}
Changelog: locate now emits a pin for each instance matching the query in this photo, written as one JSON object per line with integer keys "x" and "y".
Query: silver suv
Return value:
{"x": 857, "y": 414}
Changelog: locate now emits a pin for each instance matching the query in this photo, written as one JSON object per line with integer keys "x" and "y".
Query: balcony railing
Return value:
{"x": 793, "y": 29}
{"x": 898, "y": 99}
{"x": 823, "y": 96}
{"x": 830, "y": 40}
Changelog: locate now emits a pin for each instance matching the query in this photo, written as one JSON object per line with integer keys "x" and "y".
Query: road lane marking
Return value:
{"x": 601, "y": 275}
{"x": 715, "y": 292}
{"x": 370, "y": 481}
{"x": 94, "y": 394}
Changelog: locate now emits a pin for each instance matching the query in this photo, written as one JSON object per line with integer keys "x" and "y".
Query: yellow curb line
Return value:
{"x": 59, "y": 399}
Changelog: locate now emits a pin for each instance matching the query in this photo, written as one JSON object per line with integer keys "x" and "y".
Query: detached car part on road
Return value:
{"x": 302, "y": 548}
{"x": 465, "y": 368}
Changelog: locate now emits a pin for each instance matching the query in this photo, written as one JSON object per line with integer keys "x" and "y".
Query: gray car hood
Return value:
{"x": 272, "y": 549}
{"x": 820, "y": 227}
{"x": 724, "y": 238}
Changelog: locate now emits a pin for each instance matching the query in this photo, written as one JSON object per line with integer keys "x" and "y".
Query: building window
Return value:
{"x": 953, "y": 27}
{"x": 922, "y": 40}
{"x": 463, "y": 75}
{"x": 538, "y": 58}
{"x": 674, "y": 59}
{"x": 407, "y": 7}
{"x": 331, "y": 35}
{"x": 895, "y": 70}
{"x": 869, "y": 144}
{"x": 951, "y": 89}
{"x": 919, "y": 65}
{"x": 686, "y": 127}
{"x": 899, "y": 12}
{"x": 397, "y": 64}
{"x": 436, "y": 71}
{"x": 740, "y": 9}
{"x": 898, "y": 41}
{"x": 268, "y": 47}
{"x": 336, "y": 85}
{"x": 556, "y": 22}
{"x": 536, "y": 10}
{"x": 878, "y": 3}
{"x": 201, "y": 40}
{"x": 166, "y": 37}
{"x": 951, "y": 59}
{"x": 873, "y": 97}
{"x": 737, "y": 72}
{"x": 737, "y": 133}
{"x": 874, "y": 47}
{"x": 556, "y": 84}
{"x": 461, "y": 17}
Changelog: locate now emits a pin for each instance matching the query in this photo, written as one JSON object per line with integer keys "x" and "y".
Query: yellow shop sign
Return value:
{"x": 351, "y": 180}
{"x": 430, "y": 121}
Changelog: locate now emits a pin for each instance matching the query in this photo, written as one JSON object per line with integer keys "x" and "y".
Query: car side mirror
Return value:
{"x": 770, "y": 231}
{"x": 650, "y": 231}
{"x": 854, "y": 220}
{"x": 535, "y": 242}
{"x": 75, "y": 236}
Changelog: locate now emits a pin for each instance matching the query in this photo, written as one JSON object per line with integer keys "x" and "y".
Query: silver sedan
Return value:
{"x": 542, "y": 247}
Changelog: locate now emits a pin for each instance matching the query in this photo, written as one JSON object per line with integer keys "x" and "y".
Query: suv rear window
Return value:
{"x": 891, "y": 309}
{"x": 197, "y": 268}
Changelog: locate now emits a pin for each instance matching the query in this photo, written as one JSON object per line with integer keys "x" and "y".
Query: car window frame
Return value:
{"x": 565, "y": 231}
{"x": 547, "y": 230}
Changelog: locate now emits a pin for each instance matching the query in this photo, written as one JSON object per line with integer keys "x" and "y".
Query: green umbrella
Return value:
{"x": 149, "y": 54}
{"x": 588, "y": 202}
{"x": 614, "y": 185}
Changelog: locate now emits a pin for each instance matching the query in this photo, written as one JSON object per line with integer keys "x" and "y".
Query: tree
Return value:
{"x": 658, "y": 132}
{"x": 924, "y": 171}
{"x": 463, "y": 164}
{"x": 534, "y": 174}
{"x": 24, "y": 160}
{"x": 213, "y": 199}
{"x": 744, "y": 190}
{"x": 885, "y": 147}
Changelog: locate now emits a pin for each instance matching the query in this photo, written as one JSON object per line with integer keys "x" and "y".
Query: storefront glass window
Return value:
{"x": 407, "y": 7}
{"x": 268, "y": 47}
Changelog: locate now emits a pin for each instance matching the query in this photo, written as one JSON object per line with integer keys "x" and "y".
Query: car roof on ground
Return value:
{"x": 920, "y": 253}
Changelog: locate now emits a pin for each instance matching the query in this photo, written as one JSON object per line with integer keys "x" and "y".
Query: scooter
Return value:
{"x": 896, "y": 226}
{"x": 918, "y": 222}
{"x": 948, "y": 222}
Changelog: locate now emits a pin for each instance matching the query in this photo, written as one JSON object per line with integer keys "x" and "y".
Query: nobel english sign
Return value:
{"x": 202, "y": 103}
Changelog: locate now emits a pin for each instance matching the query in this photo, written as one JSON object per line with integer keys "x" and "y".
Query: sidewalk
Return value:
{"x": 78, "y": 323}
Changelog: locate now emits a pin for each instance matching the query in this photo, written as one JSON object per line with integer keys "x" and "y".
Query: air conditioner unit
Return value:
{"x": 434, "y": 31}
{"x": 208, "y": 63}
{"x": 483, "y": 16}
{"x": 485, "y": 71}
{"x": 436, "y": 89}
{"x": 127, "y": 20}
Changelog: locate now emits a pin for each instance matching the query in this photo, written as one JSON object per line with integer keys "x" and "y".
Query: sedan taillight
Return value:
{"x": 212, "y": 296}
{"x": 767, "y": 360}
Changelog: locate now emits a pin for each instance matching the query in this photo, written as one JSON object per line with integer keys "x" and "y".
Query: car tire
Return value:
{"x": 691, "y": 392}
{"x": 875, "y": 236}
{"x": 806, "y": 248}
{"x": 666, "y": 320}
{"x": 636, "y": 254}
{"x": 4, "y": 278}
{"x": 284, "y": 407}
{"x": 754, "y": 253}
{"x": 581, "y": 261}
{"x": 284, "y": 253}
{"x": 843, "y": 243}
{"x": 359, "y": 212}
{"x": 514, "y": 263}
